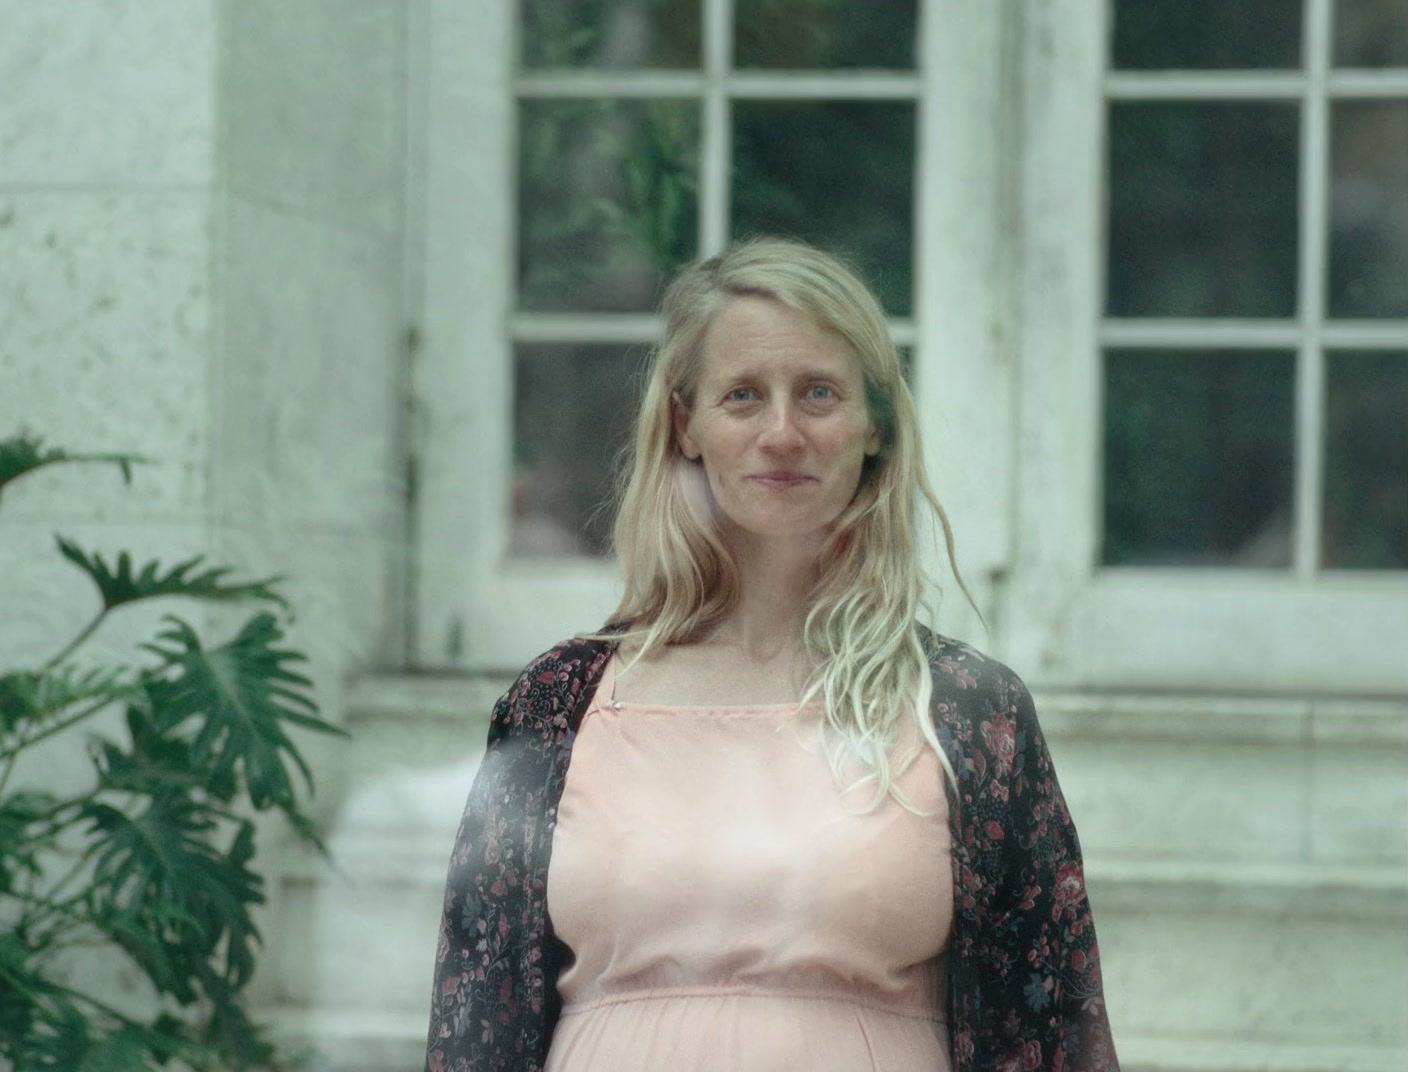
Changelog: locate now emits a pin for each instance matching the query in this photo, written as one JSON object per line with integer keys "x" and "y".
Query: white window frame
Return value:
{"x": 1073, "y": 622}
{"x": 476, "y": 607}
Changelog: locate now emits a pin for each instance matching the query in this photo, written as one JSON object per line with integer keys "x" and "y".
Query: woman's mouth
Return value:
{"x": 783, "y": 480}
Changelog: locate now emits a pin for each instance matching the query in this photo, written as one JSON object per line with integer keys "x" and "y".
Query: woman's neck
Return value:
{"x": 776, "y": 579}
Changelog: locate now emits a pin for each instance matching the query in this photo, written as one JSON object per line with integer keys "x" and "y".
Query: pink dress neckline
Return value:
{"x": 606, "y": 697}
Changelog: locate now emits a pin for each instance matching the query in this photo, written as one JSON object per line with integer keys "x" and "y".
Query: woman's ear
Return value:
{"x": 872, "y": 443}
{"x": 680, "y": 416}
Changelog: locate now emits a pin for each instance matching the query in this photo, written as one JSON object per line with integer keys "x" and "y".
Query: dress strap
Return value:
{"x": 606, "y": 687}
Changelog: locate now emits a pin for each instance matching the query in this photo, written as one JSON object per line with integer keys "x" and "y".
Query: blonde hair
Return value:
{"x": 680, "y": 578}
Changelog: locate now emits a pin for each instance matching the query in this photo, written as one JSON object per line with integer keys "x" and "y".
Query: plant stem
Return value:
{"x": 47, "y": 905}
{"x": 73, "y": 644}
{"x": 8, "y": 757}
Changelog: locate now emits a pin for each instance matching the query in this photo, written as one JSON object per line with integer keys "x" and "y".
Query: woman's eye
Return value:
{"x": 740, "y": 394}
{"x": 819, "y": 391}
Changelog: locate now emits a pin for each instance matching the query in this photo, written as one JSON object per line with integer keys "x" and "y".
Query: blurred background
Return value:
{"x": 373, "y": 281}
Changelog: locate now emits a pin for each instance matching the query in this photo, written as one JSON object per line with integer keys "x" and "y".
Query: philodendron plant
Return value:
{"x": 153, "y": 853}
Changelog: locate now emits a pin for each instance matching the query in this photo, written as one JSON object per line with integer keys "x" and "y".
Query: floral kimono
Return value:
{"x": 1023, "y": 967}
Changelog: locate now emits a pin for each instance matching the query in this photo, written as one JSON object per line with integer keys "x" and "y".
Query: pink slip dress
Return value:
{"x": 729, "y": 908}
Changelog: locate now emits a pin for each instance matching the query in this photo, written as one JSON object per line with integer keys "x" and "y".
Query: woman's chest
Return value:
{"x": 718, "y": 822}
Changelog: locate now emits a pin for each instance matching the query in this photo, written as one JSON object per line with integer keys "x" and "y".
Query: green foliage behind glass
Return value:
{"x": 607, "y": 201}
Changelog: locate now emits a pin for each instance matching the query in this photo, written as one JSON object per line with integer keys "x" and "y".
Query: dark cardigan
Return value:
{"x": 1023, "y": 967}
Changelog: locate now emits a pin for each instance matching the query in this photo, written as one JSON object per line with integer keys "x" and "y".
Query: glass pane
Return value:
{"x": 572, "y": 413}
{"x": 1198, "y": 457}
{"x": 611, "y": 33}
{"x": 606, "y": 201}
{"x": 1369, "y": 208}
{"x": 1371, "y": 33}
{"x": 1366, "y": 462}
{"x": 1206, "y": 34}
{"x": 836, "y": 173}
{"x": 1203, "y": 209}
{"x": 824, "y": 33}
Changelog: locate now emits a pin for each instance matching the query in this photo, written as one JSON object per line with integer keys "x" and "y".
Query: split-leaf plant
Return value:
{"x": 152, "y": 854}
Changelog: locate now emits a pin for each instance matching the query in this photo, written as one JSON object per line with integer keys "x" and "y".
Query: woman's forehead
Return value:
{"x": 757, "y": 336}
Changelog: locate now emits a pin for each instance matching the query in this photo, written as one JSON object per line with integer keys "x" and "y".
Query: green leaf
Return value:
{"x": 155, "y": 760}
{"x": 41, "y": 1028}
{"x": 164, "y": 892}
{"x": 19, "y": 987}
{"x": 25, "y": 453}
{"x": 120, "y": 585}
{"x": 233, "y": 1032}
{"x": 238, "y": 698}
{"x": 27, "y": 695}
{"x": 123, "y": 1051}
{"x": 19, "y": 852}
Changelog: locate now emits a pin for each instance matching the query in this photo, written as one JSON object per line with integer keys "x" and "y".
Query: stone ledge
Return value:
{"x": 1149, "y": 1054}
{"x": 1200, "y": 719}
{"x": 1194, "y": 718}
{"x": 416, "y": 697}
{"x": 1338, "y": 891}
{"x": 353, "y": 1040}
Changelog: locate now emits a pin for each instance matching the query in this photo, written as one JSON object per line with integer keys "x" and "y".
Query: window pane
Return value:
{"x": 1206, "y": 34}
{"x": 1369, "y": 208}
{"x": 1366, "y": 461}
{"x": 606, "y": 201}
{"x": 1203, "y": 212}
{"x": 839, "y": 174}
{"x": 611, "y": 33}
{"x": 1371, "y": 33}
{"x": 824, "y": 33}
{"x": 572, "y": 413}
{"x": 1198, "y": 458}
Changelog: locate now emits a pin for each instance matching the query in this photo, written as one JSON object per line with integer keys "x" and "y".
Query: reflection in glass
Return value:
{"x": 1206, "y": 34}
{"x": 1203, "y": 209}
{"x": 611, "y": 33}
{"x": 1371, "y": 33}
{"x": 1198, "y": 458}
{"x": 824, "y": 33}
{"x": 1369, "y": 208}
{"x": 839, "y": 174}
{"x": 1366, "y": 461}
{"x": 572, "y": 413}
{"x": 607, "y": 202}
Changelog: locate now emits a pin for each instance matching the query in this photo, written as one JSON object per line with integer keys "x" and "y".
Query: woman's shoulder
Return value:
{"x": 971, "y": 679}
{"x": 552, "y": 682}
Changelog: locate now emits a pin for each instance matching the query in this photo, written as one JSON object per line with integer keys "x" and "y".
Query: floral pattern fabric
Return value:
{"x": 1024, "y": 988}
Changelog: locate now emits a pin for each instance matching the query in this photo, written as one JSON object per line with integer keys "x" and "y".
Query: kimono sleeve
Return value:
{"x": 486, "y": 1011}
{"x": 1041, "y": 980}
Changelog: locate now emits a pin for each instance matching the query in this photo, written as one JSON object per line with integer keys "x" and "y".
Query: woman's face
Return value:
{"x": 779, "y": 420}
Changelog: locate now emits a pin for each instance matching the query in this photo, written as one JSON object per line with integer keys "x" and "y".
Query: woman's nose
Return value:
{"x": 781, "y": 430}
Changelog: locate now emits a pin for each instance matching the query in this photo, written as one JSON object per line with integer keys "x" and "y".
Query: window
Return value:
{"x": 653, "y": 131}
{"x": 1243, "y": 396}
{"x": 577, "y": 152}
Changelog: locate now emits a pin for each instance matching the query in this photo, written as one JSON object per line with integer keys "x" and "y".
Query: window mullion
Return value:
{"x": 1204, "y": 85}
{"x": 1310, "y": 364}
{"x": 715, "y": 152}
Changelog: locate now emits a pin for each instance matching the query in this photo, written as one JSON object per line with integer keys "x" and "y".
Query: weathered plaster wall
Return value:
{"x": 310, "y": 336}
{"x": 201, "y": 207}
{"x": 310, "y": 341}
{"x": 107, "y": 130}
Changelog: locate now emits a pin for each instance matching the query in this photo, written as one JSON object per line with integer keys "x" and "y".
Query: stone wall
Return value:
{"x": 201, "y": 261}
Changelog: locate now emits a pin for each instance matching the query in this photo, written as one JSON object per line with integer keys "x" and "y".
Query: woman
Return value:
{"x": 669, "y": 858}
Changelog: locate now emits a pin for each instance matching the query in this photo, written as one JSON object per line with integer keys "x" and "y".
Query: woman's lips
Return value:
{"x": 783, "y": 480}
